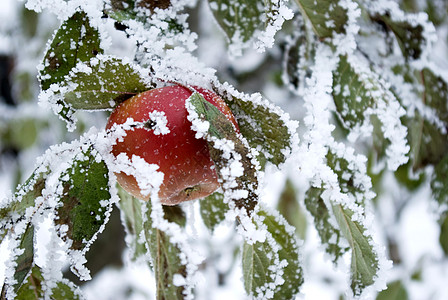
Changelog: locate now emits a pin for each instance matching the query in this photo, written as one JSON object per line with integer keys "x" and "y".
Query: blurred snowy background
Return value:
{"x": 406, "y": 220}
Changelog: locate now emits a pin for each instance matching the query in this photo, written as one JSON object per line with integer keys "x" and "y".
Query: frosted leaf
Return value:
{"x": 174, "y": 262}
{"x": 132, "y": 219}
{"x": 75, "y": 41}
{"x": 226, "y": 149}
{"x": 298, "y": 57}
{"x": 341, "y": 181}
{"x": 271, "y": 268}
{"x": 428, "y": 133}
{"x": 266, "y": 127}
{"x": 365, "y": 262}
{"x": 21, "y": 202}
{"x": 330, "y": 235}
{"x": 325, "y": 16}
{"x": 250, "y": 21}
{"x": 35, "y": 287}
{"x": 413, "y": 32}
{"x": 21, "y": 262}
{"x": 94, "y": 84}
{"x": 360, "y": 94}
{"x": 81, "y": 215}
{"x": 439, "y": 185}
{"x": 213, "y": 210}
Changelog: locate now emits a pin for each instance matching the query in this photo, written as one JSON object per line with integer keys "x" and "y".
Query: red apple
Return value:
{"x": 185, "y": 160}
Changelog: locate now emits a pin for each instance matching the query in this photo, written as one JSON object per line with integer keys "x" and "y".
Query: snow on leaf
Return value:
{"x": 213, "y": 210}
{"x": 243, "y": 20}
{"x": 103, "y": 82}
{"x": 122, "y": 10}
{"x": 166, "y": 259}
{"x": 360, "y": 94}
{"x": 240, "y": 18}
{"x": 15, "y": 209}
{"x": 410, "y": 35}
{"x": 228, "y": 152}
{"x": 330, "y": 235}
{"x": 299, "y": 51}
{"x": 131, "y": 215}
{"x": 84, "y": 200}
{"x": 266, "y": 127}
{"x": 429, "y": 139}
{"x": 364, "y": 264}
{"x": 428, "y": 143}
{"x": 271, "y": 269}
{"x": 351, "y": 94}
{"x": 435, "y": 93}
{"x": 439, "y": 182}
{"x": 75, "y": 41}
{"x": 33, "y": 288}
{"x": 23, "y": 262}
{"x": 326, "y": 16}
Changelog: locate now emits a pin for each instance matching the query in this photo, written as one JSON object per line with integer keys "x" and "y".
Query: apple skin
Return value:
{"x": 185, "y": 160}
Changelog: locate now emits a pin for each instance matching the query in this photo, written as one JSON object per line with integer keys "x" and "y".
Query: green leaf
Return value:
{"x": 364, "y": 264}
{"x": 330, "y": 236}
{"x": 349, "y": 216}
{"x": 75, "y": 41}
{"x": 443, "y": 236}
{"x": 24, "y": 198}
{"x": 102, "y": 83}
{"x": 299, "y": 55}
{"x": 435, "y": 93}
{"x": 347, "y": 177}
{"x": 290, "y": 208}
{"x": 213, "y": 210}
{"x": 85, "y": 198}
{"x": 32, "y": 288}
{"x": 326, "y": 16}
{"x": 396, "y": 290}
{"x": 256, "y": 262}
{"x": 174, "y": 214}
{"x": 26, "y": 259}
{"x": 221, "y": 128}
{"x": 241, "y": 19}
{"x": 272, "y": 268}
{"x": 428, "y": 141}
{"x": 439, "y": 181}
{"x": 352, "y": 95}
{"x": 410, "y": 35}
{"x": 428, "y": 144}
{"x": 264, "y": 129}
{"x": 122, "y": 10}
{"x": 166, "y": 259}
{"x": 131, "y": 209}
{"x": 404, "y": 175}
